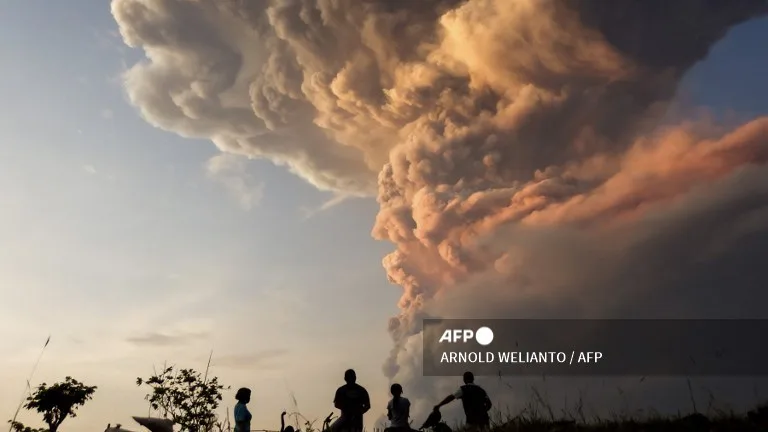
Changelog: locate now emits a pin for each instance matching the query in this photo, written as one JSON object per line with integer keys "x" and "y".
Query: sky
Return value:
{"x": 132, "y": 239}
{"x": 115, "y": 235}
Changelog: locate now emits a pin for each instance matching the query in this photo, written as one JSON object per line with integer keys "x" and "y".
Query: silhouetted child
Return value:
{"x": 398, "y": 410}
{"x": 435, "y": 423}
{"x": 242, "y": 415}
{"x": 283, "y": 427}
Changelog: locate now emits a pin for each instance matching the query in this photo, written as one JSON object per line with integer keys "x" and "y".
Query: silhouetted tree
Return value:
{"x": 59, "y": 401}
{"x": 185, "y": 397}
{"x": 17, "y": 426}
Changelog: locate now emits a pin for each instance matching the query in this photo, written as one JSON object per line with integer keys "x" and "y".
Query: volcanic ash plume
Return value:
{"x": 513, "y": 144}
{"x": 547, "y": 123}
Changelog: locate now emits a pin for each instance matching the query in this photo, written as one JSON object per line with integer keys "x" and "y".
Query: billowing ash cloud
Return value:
{"x": 513, "y": 145}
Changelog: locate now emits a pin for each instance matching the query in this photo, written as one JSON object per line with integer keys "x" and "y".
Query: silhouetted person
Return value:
{"x": 353, "y": 401}
{"x": 398, "y": 410}
{"x": 283, "y": 427}
{"x": 434, "y": 422}
{"x": 475, "y": 401}
{"x": 242, "y": 415}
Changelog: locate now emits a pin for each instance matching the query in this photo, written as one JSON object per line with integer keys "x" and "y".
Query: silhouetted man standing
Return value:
{"x": 475, "y": 400}
{"x": 353, "y": 401}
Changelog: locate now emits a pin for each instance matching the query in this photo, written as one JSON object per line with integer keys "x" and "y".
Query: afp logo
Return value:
{"x": 483, "y": 336}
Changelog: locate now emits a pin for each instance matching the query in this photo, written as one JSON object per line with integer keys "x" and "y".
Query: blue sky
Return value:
{"x": 105, "y": 215}
{"x": 112, "y": 230}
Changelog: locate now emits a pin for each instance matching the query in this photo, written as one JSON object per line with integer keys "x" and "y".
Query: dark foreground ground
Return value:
{"x": 755, "y": 420}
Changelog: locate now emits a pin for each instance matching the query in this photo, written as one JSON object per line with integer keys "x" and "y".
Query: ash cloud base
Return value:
{"x": 610, "y": 347}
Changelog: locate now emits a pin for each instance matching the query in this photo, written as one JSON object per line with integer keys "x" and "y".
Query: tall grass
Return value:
{"x": 28, "y": 388}
{"x": 540, "y": 414}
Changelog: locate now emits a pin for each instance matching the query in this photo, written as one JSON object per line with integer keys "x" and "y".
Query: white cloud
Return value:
{"x": 91, "y": 170}
{"x": 230, "y": 171}
{"x": 333, "y": 202}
